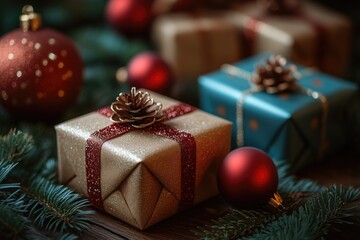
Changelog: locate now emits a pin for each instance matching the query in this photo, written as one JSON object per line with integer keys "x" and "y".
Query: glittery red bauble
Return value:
{"x": 148, "y": 70}
{"x": 247, "y": 178}
{"x": 41, "y": 73}
{"x": 130, "y": 17}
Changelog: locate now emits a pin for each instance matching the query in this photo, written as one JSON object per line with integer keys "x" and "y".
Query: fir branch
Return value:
{"x": 348, "y": 194}
{"x": 234, "y": 223}
{"x": 37, "y": 160}
{"x": 56, "y": 207}
{"x": 67, "y": 236}
{"x": 12, "y": 219}
{"x": 15, "y": 146}
{"x": 5, "y": 169}
{"x": 245, "y": 222}
{"x": 301, "y": 219}
{"x": 288, "y": 183}
{"x": 314, "y": 219}
{"x": 49, "y": 170}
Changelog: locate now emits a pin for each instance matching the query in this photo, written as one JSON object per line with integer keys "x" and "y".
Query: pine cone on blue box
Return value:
{"x": 275, "y": 76}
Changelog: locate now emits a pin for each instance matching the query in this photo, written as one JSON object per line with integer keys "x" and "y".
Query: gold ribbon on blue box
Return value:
{"x": 300, "y": 126}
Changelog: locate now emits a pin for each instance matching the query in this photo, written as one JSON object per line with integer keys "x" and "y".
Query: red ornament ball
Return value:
{"x": 247, "y": 178}
{"x": 41, "y": 73}
{"x": 130, "y": 17}
{"x": 148, "y": 70}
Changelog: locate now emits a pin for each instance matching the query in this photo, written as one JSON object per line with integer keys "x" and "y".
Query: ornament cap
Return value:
{"x": 276, "y": 201}
{"x": 29, "y": 20}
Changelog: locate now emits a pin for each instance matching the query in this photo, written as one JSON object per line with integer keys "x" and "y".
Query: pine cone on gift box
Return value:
{"x": 137, "y": 109}
{"x": 275, "y": 76}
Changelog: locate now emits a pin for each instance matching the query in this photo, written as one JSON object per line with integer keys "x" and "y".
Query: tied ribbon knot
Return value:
{"x": 185, "y": 140}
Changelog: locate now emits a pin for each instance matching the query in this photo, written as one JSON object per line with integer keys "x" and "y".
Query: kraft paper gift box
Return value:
{"x": 141, "y": 175}
{"x": 312, "y": 36}
{"x": 288, "y": 126}
{"x": 196, "y": 44}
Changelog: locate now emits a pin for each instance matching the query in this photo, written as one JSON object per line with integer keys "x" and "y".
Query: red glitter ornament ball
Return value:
{"x": 41, "y": 71}
{"x": 130, "y": 17}
{"x": 148, "y": 70}
{"x": 247, "y": 178}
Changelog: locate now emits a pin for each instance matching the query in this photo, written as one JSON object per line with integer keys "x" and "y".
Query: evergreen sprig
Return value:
{"x": 288, "y": 183}
{"x": 12, "y": 220}
{"x": 56, "y": 207}
{"x": 235, "y": 223}
{"x": 314, "y": 219}
{"x": 310, "y": 212}
{"x": 31, "y": 205}
{"x": 12, "y": 207}
{"x": 15, "y": 146}
{"x": 5, "y": 169}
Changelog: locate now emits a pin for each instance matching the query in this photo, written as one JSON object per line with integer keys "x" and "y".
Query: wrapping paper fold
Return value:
{"x": 196, "y": 44}
{"x": 287, "y": 126}
{"x": 314, "y": 37}
{"x": 141, "y": 172}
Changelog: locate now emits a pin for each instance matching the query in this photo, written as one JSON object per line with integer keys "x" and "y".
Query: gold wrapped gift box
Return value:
{"x": 141, "y": 172}
{"x": 196, "y": 44}
{"x": 199, "y": 43}
{"x": 312, "y": 36}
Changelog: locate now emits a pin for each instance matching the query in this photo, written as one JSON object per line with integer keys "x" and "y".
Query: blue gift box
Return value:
{"x": 294, "y": 126}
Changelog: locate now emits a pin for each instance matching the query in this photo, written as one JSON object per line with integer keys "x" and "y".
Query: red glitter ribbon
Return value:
{"x": 252, "y": 26}
{"x": 185, "y": 140}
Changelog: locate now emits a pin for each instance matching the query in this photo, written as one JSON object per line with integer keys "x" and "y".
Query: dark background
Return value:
{"x": 75, "y": 17}
{"x": 104, "y": 50}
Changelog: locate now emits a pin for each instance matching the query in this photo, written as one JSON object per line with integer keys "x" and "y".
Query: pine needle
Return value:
{"x": 12, "y": 219}
{"x": 233, "y": 224}
{"x": 5, "y": 169}
{"x": 46, "y": 210}
{"x": 56, "y": 207}
{"x": 289, "y": 184}
{"x": 15, "y": 146}
{"x": 314, "y": 219}
{"x": 311, "y": 211}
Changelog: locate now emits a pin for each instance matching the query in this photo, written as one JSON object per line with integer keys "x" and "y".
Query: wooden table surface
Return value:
{"x": 345, "y": 172}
